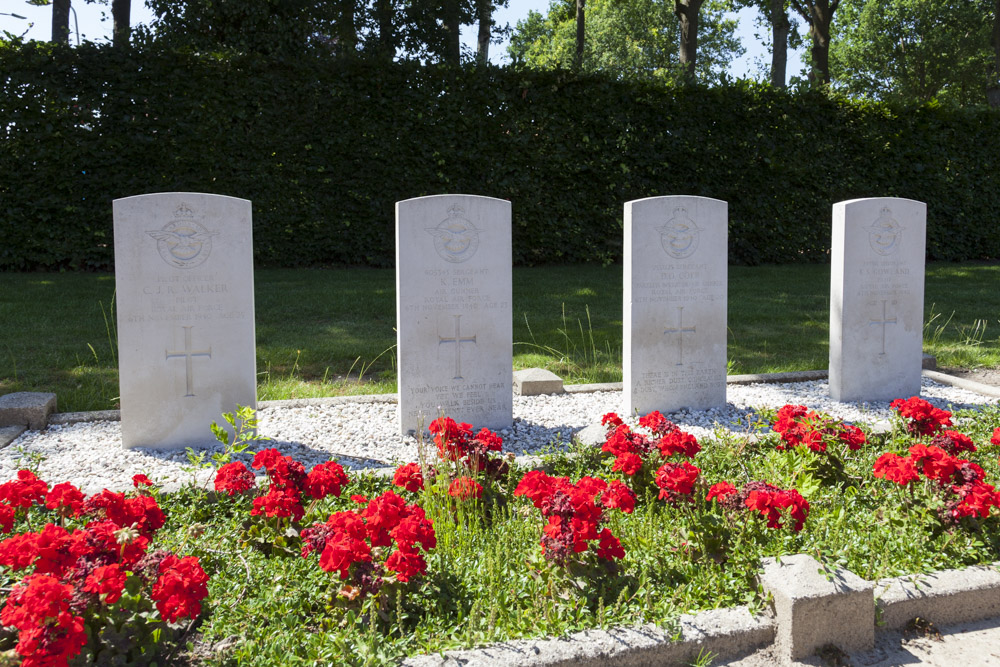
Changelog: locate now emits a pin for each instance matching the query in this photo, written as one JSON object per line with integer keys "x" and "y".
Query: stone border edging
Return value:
{"x": 962, "y": 383}
{"x": 946, "y": 597}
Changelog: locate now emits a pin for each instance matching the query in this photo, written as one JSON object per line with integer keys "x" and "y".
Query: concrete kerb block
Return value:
{"x": 815, "y": 606}
{"x": 9, "y": 434}
{"x": 27, "y": 408}
{"x": 536, "y": 381}
{"x": 946, "y": 597}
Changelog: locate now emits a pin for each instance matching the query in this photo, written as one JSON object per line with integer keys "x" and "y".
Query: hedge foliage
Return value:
{"x": 324, "y": 147}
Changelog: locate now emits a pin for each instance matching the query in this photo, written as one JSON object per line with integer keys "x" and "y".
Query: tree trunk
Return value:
{"x": 780, "y": 27}
{"x": 452, "y": 23}
{"x": 485, "y": 12}
{"x": 581, "y": 33}
{"x": 386, "y": 38}
{"x": 687, "y": 14}
{"x": 993, "y": 90}
{"x": 121, "y": 14}
{"x": 819, "y": 15}
{"x": 347, "y": 35}
{"x": 60, "y": 21}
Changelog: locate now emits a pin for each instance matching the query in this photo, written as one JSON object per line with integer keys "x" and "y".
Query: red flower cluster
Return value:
{"x": 800, "y": 426}
{"x": 922, "y": 417}
{"x": 953, "y": 442}
{"x": 408, "y": 476}
{"x": 960, "y": 480}
{"x": 76, "y": 571}
{"x": 768, "y": 501}
{"x": 464, "y": 488}
{"x": 995, "y": 439}
{"x": 21, "y": 493}
{"x": 575, "y": 513}
{"x": 355, "y": 539}
{"x": 676, "y": 480}
{"x": 180, "y": 588}
{"x": 455, "y": 442}
{"x": 289, "y": 484}
{"x": 631, "y": 449}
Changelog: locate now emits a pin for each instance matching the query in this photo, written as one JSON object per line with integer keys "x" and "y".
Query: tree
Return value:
{"x": 687, "y": 15}
{"x": 818, "y": 14}
{"x": 121, "y": 16}
{"x": 993, "y": 90}
{"x": 915, "y": 51}
{"x": 775, "y": 14}
{"x": 632, "y": 38}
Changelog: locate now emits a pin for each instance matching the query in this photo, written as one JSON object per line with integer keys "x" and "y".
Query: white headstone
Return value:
{"x": 674, "y": 310}
{"x": 453, "y": 311}
{"x": 877, "y": 298}
{"x": 186, "y": 348}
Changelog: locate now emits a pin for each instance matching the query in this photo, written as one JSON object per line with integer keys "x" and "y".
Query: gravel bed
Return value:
{"x": 363, "y": 435}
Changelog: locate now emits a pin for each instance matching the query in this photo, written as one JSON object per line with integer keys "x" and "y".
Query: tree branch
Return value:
{"x": 801, "y": 9}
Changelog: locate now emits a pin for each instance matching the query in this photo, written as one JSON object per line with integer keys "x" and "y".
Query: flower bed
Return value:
{"x": 462, "y": 548}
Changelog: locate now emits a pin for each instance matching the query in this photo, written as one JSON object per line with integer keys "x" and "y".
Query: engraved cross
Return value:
{"x": 680, "y": 330}
{"x": 457, "y": 340}
{"x": 188, "y": 354}
{"x": 882, "y": 322}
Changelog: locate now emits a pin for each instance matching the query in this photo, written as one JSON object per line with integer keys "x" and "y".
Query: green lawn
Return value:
{"x": 319, "y": 330}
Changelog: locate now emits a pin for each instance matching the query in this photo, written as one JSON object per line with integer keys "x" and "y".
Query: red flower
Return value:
{"x": 107, "y": 580}
{"x": 490, "y": 441}
{"x": 678, "y": 442}
{"x": 409, "y": 477}
{"x": 406, "y": 564}
{"x": 628, "y": 463}
{"x": 923, "y": 418}
{"x": 657, "y": 423}
{"x": 465, "y": 488}
{"x": 382, "y": 515}
{"x": 536, "y": 486}
{"x": 325, "y": 479}
{"x": 415, "y": 529}
{"x": 675, "y": 480}
{"x": 48, "y": 633}
{"x": 7, "y": 517}
{"x": 896, "y": 468}
{"x": 181, "y": 587}
{"x": 450, "y": 437}
{"x": 609, "y": 547}
{"x": 65, "y": 497}
{"x": 720, "y": 492}
{"x": 852, "y": 436}
{"x": 934, "y": 462}
{"x": 141, "y": 480}
{"x": 266, "y": 458}
{"x": 612, "y": 420}
{"x": 996, "y": 437}
{"x": 953, "y": 442}
{"x": 234, "y": 478}
{"x": 769, "y": 501}
{"x": 620, "y": 496}
{"x": 25, "y": 491}
{"x": 343, "y": 550}
{"x": 279, "y": 503}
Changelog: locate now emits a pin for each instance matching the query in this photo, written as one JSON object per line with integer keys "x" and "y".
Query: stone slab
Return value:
{"x": 945, "y": 597}
{"x": 454, "y": 331}
{"x": 877, "y": 298}
{"x": 963, "y": 383}
{"x": 726, "y": 633}
{"x": 9, "y": 434}
{"x": 536, "y": 381}
{"x": 815, "y": 606}
{"x": 674, "y": 304}
{"x": 27, "y": 408}
{"x": 184, "y": 279}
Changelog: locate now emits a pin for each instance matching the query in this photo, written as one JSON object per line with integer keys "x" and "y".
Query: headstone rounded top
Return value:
{"x": 180, "y": 194}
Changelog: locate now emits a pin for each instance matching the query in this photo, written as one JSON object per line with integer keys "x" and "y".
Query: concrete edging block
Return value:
{"x": 727, "y": 633}
{"x": 815, "y": 606}
{"x": 536, "y": 381}
{"x": 27, "y": 408}
{"x": 944, "y": 598}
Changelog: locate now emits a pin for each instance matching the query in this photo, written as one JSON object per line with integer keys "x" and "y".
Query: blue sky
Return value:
{"x": 94, "y": 22}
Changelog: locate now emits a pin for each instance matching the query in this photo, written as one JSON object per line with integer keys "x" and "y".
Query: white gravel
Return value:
{"x": 363, "y": 435}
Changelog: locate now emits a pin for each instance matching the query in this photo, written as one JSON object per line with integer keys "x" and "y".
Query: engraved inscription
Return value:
{"x": 188, "y": 354}
{"x": 183, "y": 243}
{"x": 884, "y": 321}
{"x": 886, "y": 234}
{"x": 457, "y": 340}
{"x": 455, "y": 238}
{"x": 680, "y": 330}
{"x": 679, "y": 236}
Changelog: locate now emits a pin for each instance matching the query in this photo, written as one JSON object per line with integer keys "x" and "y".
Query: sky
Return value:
{"x": 93, "y": 22}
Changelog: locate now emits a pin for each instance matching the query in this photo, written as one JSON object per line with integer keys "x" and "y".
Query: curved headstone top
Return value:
{"x": 877, "y": 298}
{"x": 184, "y": 281}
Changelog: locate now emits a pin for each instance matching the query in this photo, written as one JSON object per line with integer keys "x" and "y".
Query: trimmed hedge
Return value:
{"x": 324, "y": 147}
